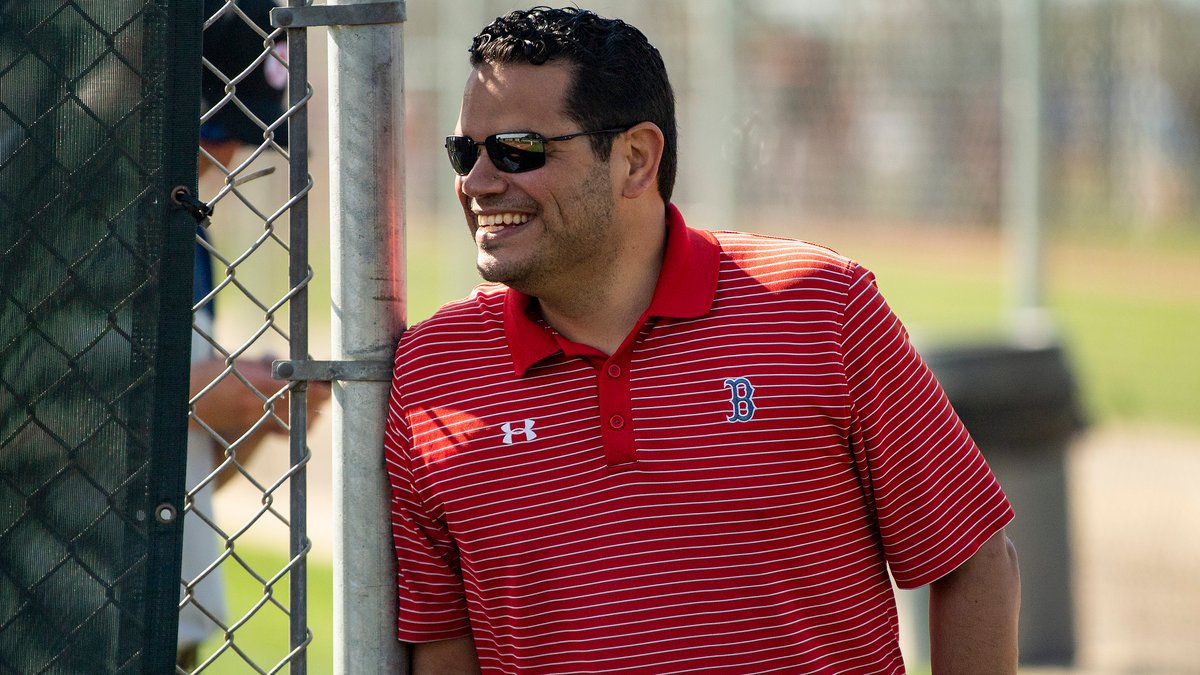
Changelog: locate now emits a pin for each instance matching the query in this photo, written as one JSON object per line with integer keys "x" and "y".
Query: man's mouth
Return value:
{"x": 498, "y": 221}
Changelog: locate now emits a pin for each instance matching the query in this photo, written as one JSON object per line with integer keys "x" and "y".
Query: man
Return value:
{"x": 647, "y": 448}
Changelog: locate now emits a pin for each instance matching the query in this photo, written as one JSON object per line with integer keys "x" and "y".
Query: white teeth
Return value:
{"x": 502, "y": 219}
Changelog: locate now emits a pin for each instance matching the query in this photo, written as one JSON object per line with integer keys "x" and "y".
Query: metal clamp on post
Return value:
{"x": 358, "y": 14}
{"x": 330, "y": 371}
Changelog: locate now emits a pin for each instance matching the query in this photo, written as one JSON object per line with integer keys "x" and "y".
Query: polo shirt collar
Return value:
{"x": 685, "y": 289}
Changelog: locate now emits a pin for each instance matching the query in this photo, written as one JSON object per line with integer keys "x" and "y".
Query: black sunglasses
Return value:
{"x": 511, "y": 152}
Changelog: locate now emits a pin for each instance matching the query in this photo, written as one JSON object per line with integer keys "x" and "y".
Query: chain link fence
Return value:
{"x": 98, "y": 143}
{"x": 93, "y": 325}
{"x": 243, "y": 606}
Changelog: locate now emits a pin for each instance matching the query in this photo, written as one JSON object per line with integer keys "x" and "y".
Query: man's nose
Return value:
{"x": 483, "y": 178}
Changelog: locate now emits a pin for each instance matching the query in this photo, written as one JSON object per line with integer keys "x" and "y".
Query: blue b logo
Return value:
{"x": 741, "y": 398}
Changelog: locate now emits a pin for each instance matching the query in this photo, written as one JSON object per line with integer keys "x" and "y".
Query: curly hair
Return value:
{"x": 619, "y": 77}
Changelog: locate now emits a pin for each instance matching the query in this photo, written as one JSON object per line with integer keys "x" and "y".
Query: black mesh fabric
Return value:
{"x": 98, "y": 103}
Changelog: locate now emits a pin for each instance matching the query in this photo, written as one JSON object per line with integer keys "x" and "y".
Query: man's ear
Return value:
{"x": 642, "y": 148}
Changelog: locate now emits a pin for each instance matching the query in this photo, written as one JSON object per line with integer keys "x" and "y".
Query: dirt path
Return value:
{"x": 1136, "y": 518}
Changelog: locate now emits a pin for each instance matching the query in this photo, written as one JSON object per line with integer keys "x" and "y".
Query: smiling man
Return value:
{"x": 647, "y": 448}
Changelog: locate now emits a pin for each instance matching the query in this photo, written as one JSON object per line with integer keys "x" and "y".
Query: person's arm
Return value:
{"x": 231, "y": 407}
{"x": 973, "y": 613}
{"x": 445, "y": 657}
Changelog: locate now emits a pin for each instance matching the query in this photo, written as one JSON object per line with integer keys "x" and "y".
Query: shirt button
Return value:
{"x": 616, "y": 421}
{"x": 614, "y": 370}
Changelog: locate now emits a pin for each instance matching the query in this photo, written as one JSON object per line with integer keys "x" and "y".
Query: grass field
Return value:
{"x": 264, "y": 636}
{"x": 1128, "y": 313}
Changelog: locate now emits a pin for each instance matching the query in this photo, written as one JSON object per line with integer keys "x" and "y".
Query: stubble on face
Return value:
{"x": 575, "y": 245}
{"x": 563, "y": 230}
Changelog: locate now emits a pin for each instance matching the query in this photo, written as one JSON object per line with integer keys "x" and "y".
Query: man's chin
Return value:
{"x": 493, "y": 272}
{"x": 507, "y": 276}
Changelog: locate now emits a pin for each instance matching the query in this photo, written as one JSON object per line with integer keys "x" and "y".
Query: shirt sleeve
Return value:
{"x": 432, "y": 604}
{"x": 934, "y": 497}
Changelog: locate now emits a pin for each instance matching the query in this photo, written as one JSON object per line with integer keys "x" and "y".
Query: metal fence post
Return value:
{"x": 299, "y": 184}
{"x": 366, "y": 113}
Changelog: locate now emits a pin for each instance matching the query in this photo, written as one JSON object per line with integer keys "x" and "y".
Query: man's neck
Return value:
{"x": 602, "y": 311}
{"x": 603, "y": 323}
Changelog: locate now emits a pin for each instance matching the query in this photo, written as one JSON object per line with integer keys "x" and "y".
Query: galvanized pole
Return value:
{"x": 1022, "y": 192}
{"x": 366, "y": 117}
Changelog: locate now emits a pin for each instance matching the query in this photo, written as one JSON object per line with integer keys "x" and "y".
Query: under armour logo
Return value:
{"x": 509, "y": 431}
{"x": 741, "y": 398}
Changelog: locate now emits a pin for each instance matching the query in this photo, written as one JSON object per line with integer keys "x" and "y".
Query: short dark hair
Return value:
{"x": 619, "y": 77}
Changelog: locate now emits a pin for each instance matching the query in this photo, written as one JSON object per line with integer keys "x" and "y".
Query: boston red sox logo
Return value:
{"x": 741, "y": 399}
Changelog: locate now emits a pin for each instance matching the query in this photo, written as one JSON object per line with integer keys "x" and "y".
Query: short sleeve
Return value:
{"x": 432, "y": 604}
{"x": 934, "y": 497}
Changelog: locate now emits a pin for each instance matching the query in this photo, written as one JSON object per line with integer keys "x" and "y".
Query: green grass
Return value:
{"x": 1128, "y": 314}
{"x": 1135, "y": 357}
{"x": 263, "y": 638}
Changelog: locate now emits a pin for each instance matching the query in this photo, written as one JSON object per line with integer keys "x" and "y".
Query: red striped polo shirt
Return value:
{"x": 726, "y": 493}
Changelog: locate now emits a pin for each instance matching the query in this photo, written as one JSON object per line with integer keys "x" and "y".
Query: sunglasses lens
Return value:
{"x": 462, "y": 152}
{"x": 512, "y": 152}
{"x": 516, "y": 152}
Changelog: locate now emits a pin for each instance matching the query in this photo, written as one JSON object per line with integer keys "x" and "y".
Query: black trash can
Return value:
{"x": 1021, "y": 407}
